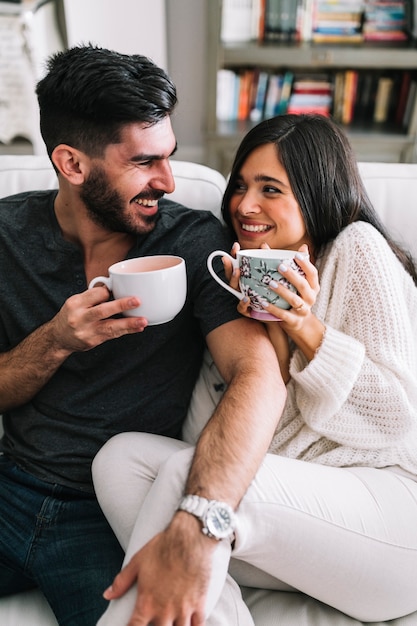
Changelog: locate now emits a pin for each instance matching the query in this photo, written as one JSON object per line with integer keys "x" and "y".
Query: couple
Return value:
{"x": 310, "y": 456}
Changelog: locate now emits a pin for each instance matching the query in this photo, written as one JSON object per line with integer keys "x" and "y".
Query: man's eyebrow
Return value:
{"x": 138, "y": 158}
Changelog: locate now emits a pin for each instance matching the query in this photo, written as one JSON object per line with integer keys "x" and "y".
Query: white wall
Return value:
{"x": 128, "y": 26}
{"x": 174, "y": 36}
{"x": 172, "y": 33}
{"x": 187, "y": 65}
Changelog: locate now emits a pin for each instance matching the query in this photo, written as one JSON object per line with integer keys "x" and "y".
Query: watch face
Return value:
{"x": 220, "y": 521}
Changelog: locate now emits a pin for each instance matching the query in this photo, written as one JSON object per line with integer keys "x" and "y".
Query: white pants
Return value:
{"x": 347, "y": 537}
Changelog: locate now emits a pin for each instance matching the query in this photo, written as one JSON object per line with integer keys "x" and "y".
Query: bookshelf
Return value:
{"x": 371, "y": 141}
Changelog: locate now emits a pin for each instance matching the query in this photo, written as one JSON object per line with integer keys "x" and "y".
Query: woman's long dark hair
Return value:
{"x": 323, "y": 174}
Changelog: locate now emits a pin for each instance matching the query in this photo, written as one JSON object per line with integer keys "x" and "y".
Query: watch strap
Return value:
{"x": 196, "y": 505}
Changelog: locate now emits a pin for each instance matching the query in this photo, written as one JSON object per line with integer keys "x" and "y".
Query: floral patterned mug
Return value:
{"x": 258, "y": 268}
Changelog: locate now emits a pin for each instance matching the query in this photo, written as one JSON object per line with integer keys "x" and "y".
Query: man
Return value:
{"x": 73, "y": 370}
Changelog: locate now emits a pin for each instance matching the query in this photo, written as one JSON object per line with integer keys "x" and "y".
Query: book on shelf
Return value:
{"x": 300, "y": 103}
{"x": 320, "y": 21}
{"x": 408, "y": 121}
{"x": 282, "y": 106}
{"x": 273, "y": 94}
{"x": 382, "y": 100}
{"x": 237, "y": 21}
{"x": 338, "y": 94}
{"x": 226, "y": 95}
{"x": 337, "y": 22}
{"x": 386, "y": 21}
{"x": 311, "y": 93}
{"x": 312, "y": 83}
{"x": 280, "y": 20}
{"x": 257, "y": 112}
{"x": 305, "y": 20}
{"x": 365, "y": 97}
{"x": 245, "y": 78}
{"x": 349, "y": 96}
{"x": 402, "y": 98}
{"x": 258, "y": 19}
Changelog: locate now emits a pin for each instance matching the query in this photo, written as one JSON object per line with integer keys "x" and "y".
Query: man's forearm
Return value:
{"x": 237, "y": 437}
{"x": 25, "y": 369}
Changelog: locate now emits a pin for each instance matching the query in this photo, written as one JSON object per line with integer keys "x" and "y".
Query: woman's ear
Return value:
{"x": 72, "y": 164}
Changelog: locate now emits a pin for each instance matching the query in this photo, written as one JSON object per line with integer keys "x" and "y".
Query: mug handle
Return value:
{"x": 101, "y": 279}
{"x": 221, "y": 282}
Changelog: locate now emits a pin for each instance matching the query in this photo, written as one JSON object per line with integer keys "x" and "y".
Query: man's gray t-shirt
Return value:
{"x": 139, "y": 382}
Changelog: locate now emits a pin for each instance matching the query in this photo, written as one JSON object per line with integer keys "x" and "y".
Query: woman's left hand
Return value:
{"x": 298, "y": 322}
{"x": 307, "y": 286}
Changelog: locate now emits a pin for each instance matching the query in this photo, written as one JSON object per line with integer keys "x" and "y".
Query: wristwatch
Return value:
{"x": 218, "y": 518}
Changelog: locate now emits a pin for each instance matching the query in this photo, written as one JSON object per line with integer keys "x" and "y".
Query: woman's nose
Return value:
{"x": 248, "y": 205}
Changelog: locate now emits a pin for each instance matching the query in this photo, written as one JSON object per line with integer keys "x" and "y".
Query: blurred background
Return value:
{"x": 171, "y": 32}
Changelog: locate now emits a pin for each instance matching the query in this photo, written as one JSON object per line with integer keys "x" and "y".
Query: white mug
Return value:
{"x": 258, "y": 267}
{"x": 159, "y": 281}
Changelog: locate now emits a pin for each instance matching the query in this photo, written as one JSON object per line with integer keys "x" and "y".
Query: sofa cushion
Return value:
{"x": 273, "y": 608}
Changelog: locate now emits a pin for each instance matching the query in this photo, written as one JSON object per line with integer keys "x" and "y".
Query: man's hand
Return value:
{"x": 172, "y": 574}
{"x": 85, "y": 320}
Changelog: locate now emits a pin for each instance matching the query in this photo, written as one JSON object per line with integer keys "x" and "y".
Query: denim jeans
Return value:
{"x": 57, "y": 539}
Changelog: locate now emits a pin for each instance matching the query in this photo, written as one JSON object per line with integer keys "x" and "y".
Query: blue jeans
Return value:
{"x": 57, "y": 539}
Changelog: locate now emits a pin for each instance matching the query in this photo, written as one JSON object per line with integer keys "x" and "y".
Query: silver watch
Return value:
{"x": 218, "y": 518}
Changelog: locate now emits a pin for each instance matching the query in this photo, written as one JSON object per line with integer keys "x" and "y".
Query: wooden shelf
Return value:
{"x": 371, "y": 142}
{"x": 320, "y": 56}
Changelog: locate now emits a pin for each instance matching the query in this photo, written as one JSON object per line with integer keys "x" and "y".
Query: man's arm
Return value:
{"x": 173, "y": 569}
{"x": 81, "y": 324}
{"x": 236, "y": 438}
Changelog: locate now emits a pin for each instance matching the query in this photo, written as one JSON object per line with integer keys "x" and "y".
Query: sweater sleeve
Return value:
{"x": 360, "y": 389}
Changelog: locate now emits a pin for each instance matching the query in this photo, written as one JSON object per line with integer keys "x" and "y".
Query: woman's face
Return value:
{"x": 262, "y": 206}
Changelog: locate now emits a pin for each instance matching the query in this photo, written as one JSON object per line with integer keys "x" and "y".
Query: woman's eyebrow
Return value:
{"x": 264, "y": 178}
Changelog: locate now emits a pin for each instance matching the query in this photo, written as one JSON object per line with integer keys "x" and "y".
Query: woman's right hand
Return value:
{"x": 232, "y": 276}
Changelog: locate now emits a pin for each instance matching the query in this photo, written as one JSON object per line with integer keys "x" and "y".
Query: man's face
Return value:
{"x": 122, "y": 190}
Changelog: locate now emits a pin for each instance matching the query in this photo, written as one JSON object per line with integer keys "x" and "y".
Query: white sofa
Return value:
{"x": 393, "y": 189}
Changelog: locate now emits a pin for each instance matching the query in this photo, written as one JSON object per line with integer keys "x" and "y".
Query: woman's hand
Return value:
{"x": 232, "y": 274}
{"x": 299, "y": 322}
{"x": 307, "y": 285}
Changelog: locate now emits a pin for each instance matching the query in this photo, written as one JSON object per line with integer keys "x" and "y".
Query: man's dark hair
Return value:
{"x": 90, "y": 93}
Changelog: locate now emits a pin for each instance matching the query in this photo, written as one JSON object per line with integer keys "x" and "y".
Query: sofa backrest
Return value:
{"x": 392, "y": 188}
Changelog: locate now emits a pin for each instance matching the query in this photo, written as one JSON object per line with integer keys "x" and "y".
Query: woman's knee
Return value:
{"x": 174, "y": 470}
{"x": 130, "y": 454}
{"x": 112, "y": 452}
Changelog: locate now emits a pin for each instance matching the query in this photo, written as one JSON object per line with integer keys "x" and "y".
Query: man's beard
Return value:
{"x": 106, "y": 208}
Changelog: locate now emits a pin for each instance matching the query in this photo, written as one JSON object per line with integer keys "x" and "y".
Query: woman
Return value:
{"x": 332, "y": 511}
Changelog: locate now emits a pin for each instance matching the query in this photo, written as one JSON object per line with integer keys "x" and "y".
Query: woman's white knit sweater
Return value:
{"x": 355, "y": 403}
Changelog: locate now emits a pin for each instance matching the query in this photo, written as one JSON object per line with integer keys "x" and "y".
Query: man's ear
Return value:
{"x": 72, "y": 164}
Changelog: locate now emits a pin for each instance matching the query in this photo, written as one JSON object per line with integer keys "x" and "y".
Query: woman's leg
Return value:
{"x": 139, "y": 480}
{"x": 344, "y": 536}
{"x": 124, "y": 470}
